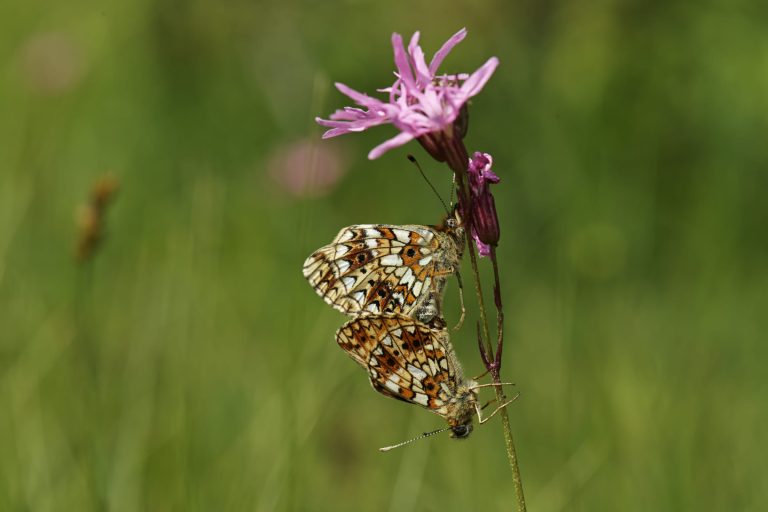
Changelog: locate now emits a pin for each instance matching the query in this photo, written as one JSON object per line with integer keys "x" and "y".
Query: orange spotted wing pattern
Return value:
{"x": 379, "y": 268}
{"x": 411, "y": 361}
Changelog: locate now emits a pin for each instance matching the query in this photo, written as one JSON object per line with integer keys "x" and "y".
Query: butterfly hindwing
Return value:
{"x": 405, "y": 359}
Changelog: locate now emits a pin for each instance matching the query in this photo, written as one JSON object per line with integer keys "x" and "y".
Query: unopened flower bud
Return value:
{"x": 485, "y": 221}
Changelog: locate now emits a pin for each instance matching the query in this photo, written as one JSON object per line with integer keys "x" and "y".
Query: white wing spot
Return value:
{"x": 348, "y": 235}
{"x": 349, "y": 282}
{"x": 371, "y": 243}
{"x": 408, "y": 278}
{"x": 341, "y": 250}
{"x": 444, "y": 364}
{"x": 343, "y": 266}
{"x": 402, "y": 235}
{"x": 387, "y": 341}
{"x": 425, "y": 261}
{"x": 392, "y": 386}
{"x": 425, "y": 233}
{"x": 421, "y": 398}
{"x": 417, "y": 288}
{"x": 372, "y": 233}
{"x": 418, "y": 373}
{"x": 391, "y": 260}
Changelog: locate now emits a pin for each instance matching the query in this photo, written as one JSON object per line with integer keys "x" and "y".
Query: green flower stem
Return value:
{"x": 495, "y": 374}
{"x": 457, "y": 160}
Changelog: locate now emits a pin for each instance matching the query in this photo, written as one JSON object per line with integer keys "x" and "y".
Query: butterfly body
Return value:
{"x": 414, "y": 362}
{"x": 383, "y": 268}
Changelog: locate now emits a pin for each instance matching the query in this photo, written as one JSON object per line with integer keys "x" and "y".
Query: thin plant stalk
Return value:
{"x": 457, "y": 160}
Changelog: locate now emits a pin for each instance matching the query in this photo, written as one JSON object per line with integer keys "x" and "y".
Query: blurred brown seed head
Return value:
{"x": 91, "y": 216}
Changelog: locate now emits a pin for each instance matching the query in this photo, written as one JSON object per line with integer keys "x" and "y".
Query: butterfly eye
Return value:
{"x": 461, "y": 431}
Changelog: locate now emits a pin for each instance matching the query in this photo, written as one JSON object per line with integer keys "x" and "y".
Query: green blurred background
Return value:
{"x": 189, "y": 366}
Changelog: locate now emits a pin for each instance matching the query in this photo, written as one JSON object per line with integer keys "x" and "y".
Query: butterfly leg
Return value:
{"x": 486, "y": 404}
{"x": 482, "y": 420}
{"x": 461, "y": 301}
{"x": 491, "y": 384}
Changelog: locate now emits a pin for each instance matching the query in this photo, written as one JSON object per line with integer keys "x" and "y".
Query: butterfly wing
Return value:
{"x": 375, "y": 268}
{"x": 405, "y": 358}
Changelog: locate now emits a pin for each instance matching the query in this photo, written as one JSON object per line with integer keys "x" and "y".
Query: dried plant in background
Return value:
{"x": 91, "y": 217}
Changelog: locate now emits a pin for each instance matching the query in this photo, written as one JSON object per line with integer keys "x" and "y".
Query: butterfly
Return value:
{"x": 382, "y": 268}
{"x": 414, "y": 362}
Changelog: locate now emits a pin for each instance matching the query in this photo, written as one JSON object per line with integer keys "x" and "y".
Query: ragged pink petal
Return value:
{"x": 401, "y": 60}
{"x": 479, "y": 78}
{"x": 446, "y": 49}
{"x": 359, "y": 97}
{"x": 396, "y": 141}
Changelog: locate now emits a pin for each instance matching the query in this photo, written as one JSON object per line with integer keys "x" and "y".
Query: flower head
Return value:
{"x": 484, "y": 220}
{"x": 421, "y": 102}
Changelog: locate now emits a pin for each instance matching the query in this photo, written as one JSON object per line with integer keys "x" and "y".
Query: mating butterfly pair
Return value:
{"x": 391, "y": 280}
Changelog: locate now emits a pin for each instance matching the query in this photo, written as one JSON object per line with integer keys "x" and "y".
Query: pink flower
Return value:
{"x": 485, "y": 222}
{"x": 422, "y": 104}
{"x": 307, "y": 169}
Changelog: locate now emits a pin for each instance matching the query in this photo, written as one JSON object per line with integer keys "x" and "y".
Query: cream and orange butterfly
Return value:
{"x": 414, "y": 362}
{"x": 381, "y": 268}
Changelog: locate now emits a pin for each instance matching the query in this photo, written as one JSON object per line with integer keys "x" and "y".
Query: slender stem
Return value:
{"x": 456, "y": 157}
{"x": 496, "y": 376}
{"x": 480, "y": 300}
{"x": 499, "y": 309}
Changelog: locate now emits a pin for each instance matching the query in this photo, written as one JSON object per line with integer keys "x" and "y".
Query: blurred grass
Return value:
{"x": 190, "y": 367}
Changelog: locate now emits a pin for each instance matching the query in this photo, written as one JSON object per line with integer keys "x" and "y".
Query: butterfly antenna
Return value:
{"x": 422, "y": 436}
{"x": 414, "y": 162}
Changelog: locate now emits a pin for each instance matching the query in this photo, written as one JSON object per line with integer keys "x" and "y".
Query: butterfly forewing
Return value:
{"x": 378, "y": 268}
{"x": 405, "y": 358}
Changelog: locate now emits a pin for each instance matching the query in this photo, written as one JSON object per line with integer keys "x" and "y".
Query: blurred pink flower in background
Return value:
{"x": 421, "y": 102}
{"x": 306, "y": 169}
{"x": 51, "y": 63}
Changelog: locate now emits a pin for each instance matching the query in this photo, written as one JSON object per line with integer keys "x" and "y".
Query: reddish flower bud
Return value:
{"x": 485, "y": 221}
